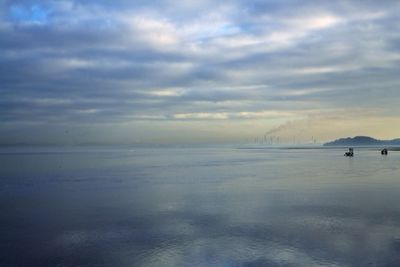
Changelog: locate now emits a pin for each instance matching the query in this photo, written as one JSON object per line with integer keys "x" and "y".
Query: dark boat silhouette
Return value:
{"x": 350, "y": 153}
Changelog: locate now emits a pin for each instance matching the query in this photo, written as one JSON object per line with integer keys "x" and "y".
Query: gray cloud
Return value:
{"x": 101, "y": 61}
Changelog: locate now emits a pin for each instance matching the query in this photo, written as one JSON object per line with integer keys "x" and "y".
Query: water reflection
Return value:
{"x": 200, "y": 207}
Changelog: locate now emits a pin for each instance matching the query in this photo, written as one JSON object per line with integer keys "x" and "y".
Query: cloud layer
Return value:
{"x": 163, "y": 66}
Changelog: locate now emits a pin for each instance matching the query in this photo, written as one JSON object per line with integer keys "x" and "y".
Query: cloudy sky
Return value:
{"x": 197, "y": 71}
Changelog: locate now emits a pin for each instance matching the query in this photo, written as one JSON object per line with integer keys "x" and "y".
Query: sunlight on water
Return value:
{"x": 199, "y": 207}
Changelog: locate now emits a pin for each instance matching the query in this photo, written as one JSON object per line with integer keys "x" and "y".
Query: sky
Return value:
{"x": 127, "y": 72}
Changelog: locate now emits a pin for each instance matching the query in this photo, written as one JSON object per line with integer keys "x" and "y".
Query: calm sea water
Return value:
{"x": 198, "y": 207}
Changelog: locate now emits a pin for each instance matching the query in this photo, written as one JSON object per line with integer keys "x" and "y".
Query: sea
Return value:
{"x": 198, "y": 206}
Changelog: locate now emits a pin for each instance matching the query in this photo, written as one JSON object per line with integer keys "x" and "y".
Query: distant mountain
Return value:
{"x": 363, "y": 141}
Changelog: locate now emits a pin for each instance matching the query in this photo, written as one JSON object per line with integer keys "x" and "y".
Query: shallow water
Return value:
{"x": 198, "y": 207}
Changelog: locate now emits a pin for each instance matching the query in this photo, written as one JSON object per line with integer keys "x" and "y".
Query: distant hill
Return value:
{"x": 363, "y": 141}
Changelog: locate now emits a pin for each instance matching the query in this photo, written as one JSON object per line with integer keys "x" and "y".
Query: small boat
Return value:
{"x": 384, "y": 151}
{"x": 350, "y": 153}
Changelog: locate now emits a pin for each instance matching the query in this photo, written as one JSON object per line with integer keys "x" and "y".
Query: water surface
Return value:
{"x": 198, "y": 207}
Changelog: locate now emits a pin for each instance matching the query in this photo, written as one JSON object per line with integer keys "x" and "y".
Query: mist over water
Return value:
{"x": 198, "y": 207}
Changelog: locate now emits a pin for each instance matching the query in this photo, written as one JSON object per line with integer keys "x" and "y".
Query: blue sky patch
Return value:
{"x": 32, "y": 14}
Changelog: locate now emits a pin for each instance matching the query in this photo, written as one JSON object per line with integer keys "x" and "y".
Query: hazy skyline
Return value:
{"x": 167, "y": 72}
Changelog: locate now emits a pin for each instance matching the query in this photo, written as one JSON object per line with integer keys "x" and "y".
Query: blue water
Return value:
{"x": 198, "y": 207}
